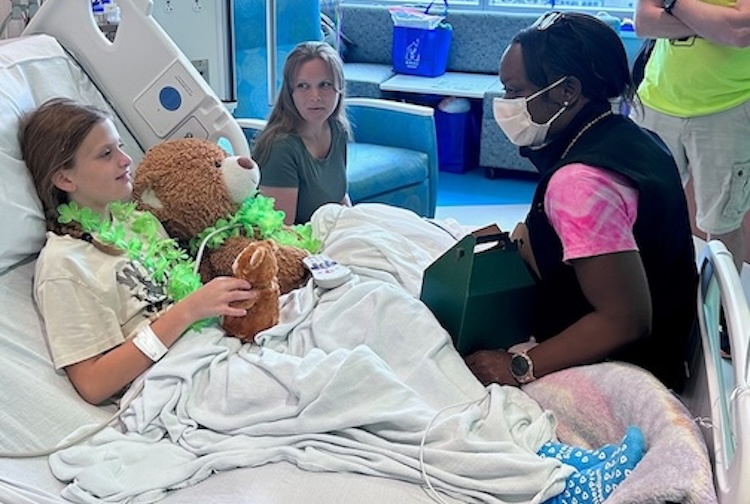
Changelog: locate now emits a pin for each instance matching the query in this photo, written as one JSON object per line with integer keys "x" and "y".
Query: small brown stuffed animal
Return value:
{"x": 189, "y": 185}
{"x": 256, "y": 264}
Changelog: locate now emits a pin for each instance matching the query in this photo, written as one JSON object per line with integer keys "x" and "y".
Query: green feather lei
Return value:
{"x": 258, "y": 219}
{"x": 169, "y": 264}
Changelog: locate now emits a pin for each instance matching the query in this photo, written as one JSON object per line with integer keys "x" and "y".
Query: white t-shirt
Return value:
{"x": 91, "y": 301}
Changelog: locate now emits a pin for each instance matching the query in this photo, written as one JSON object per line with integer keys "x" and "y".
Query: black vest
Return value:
{"x": 662, "y": 232}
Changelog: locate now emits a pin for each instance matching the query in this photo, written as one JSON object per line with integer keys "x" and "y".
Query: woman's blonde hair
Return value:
{"x": 285, "y": 118}
{"x": 50, "y": 137}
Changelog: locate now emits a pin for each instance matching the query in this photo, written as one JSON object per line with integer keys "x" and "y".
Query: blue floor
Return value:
{"x": 474, "y": 188}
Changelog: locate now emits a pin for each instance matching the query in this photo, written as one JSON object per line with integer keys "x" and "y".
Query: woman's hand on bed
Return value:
{"x": 491, "y": 366}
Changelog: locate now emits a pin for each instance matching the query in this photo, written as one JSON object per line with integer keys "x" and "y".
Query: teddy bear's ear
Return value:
{"x": 149, "y": 200}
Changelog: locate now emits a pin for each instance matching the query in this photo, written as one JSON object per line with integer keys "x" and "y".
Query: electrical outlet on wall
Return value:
{"x": 202, "y": 66}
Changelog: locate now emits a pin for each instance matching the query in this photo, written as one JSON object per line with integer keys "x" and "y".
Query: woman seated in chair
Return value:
{"x": 302, "y": 150}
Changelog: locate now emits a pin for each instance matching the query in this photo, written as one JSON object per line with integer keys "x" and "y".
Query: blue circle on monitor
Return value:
{"x": 170, "y": 98}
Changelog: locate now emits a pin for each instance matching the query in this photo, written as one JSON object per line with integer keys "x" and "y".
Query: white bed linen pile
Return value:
{"x": 347, "y": 382}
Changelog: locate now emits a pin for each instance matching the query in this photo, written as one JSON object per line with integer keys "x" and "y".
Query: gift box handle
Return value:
{"x": 503, "y": 239}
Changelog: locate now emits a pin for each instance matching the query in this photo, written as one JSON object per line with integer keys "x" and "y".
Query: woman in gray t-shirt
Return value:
{"x": 302, "y": 149}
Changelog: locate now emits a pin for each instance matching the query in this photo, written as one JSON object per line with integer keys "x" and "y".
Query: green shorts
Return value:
{"x": 714, "y": 150}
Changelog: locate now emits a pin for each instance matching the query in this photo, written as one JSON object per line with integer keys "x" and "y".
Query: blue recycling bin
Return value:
{"x": 422, "y": 52}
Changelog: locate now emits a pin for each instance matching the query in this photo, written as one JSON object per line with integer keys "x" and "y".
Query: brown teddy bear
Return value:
{"x": 192, "y": 185}
{"x": 256, "y": 264}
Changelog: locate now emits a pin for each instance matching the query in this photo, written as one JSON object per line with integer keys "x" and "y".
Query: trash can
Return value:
{"x": 457, "y": 121}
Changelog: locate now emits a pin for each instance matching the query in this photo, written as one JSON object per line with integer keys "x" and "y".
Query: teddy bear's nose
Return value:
{"x": 246, "y": 162}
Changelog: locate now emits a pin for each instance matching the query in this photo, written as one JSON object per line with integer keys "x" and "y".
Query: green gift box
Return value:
{"x": 482, "y": 292}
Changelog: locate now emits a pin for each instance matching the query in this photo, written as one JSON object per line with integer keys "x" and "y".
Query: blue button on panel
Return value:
{"x": 170, "y": 98}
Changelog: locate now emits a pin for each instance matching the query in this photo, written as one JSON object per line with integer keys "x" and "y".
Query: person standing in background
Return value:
{"x": 696, "y": 97}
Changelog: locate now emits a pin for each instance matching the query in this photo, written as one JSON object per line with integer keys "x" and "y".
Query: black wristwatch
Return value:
{"x": 668, "y": 5}
{"x": 522, "y": 368}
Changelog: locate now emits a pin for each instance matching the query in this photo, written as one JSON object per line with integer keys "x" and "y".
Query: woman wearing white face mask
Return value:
{"x": 514, "y": 118}
{"x": 608, "y": 234}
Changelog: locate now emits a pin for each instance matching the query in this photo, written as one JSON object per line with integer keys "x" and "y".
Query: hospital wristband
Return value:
{"x": 147, "y": 342}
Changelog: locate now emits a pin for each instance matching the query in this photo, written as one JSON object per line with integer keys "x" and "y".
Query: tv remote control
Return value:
{"x": 327, "y": 273}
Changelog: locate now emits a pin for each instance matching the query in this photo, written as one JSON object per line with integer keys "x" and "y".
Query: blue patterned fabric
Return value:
{"x": 363, "y": 79}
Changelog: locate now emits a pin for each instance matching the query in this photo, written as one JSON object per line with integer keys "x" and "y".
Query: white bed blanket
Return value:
{"x": 348, "y": 381}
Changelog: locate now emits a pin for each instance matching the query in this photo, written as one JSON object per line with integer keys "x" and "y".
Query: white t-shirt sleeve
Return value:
{"x": 78, "y": 324}
{"x": 90, "y": 301}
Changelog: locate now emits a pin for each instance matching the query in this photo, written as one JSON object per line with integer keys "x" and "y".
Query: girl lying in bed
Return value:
{"x": 109, "y": 318}
{"x": 97, "y": 305}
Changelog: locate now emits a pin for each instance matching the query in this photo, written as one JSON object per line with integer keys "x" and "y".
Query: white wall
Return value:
{"x": 202, "y": 29}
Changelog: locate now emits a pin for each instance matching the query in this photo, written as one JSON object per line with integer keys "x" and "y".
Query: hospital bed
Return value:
{"x": 593, "y": 405}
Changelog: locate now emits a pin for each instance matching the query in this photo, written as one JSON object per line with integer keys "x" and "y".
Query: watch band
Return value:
{"x": 668, "y": 5}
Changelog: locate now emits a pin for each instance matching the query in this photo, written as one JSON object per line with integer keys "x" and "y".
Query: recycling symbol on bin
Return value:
{"x": 411, "y": 59}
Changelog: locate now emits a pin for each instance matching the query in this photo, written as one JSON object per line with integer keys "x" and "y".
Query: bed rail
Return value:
{"x": 149, "y": 82}
{"x": 718, "y": 390}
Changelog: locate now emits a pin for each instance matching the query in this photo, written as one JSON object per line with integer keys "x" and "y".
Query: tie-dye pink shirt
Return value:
{"x": 592, "y": 211}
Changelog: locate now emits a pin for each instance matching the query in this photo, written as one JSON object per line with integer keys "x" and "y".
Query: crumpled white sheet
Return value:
{"x": 348, "y": 381}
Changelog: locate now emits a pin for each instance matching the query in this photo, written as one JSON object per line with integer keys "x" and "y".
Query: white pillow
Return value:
{"x": 40, "y": 407}
{"x": 32, "y": 70}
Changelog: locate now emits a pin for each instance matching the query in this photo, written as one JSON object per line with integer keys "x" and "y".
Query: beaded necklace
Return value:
{"x": 584, "y": 130}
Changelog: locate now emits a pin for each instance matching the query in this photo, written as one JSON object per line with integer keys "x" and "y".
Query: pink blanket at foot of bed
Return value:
{"x": 595, "y": 404}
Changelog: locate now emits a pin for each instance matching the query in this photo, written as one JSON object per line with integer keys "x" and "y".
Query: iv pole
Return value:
{"x": 271, "y": 50}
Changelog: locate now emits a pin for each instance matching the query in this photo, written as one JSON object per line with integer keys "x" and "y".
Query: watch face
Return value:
{"x": 519, "y": 366}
